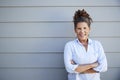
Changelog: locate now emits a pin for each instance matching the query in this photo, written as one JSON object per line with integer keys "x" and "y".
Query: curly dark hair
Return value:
{"x": 81, "y": 16}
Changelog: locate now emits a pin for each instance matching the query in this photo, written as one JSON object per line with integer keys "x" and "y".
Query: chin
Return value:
{"x": 82, "y": 39}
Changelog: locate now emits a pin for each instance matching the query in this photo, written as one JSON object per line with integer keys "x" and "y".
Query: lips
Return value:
{"x": 82, "y": 35}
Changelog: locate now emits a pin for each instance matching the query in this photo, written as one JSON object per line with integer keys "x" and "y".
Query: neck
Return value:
{"x": 84, "y": 41}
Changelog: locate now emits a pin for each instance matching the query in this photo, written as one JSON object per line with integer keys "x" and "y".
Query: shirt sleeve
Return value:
{"x": 102, "y": 67}
{"x": 67, "y": 59}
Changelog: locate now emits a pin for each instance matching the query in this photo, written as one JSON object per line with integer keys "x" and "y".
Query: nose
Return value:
{"x": 82, "y": 30}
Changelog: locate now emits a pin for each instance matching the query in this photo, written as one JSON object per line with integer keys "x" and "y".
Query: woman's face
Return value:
{"x": 82, "y": 31}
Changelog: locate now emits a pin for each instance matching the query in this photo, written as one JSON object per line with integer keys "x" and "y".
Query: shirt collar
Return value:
{"x": 89, "y": 41}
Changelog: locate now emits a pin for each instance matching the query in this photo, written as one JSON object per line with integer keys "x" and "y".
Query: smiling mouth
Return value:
{"x": 82, "y": 35}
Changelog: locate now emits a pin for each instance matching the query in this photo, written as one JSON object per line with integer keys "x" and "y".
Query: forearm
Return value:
{"x": 90, "y": 71}
{"x": 86, "y": 67}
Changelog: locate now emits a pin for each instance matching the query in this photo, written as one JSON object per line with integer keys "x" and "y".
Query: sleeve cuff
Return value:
{"x": 96, "y": 69}
{"x": 75, "y": 66}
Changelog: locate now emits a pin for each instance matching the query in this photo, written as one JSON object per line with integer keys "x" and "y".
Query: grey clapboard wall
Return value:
{"x": 33, "y": 34}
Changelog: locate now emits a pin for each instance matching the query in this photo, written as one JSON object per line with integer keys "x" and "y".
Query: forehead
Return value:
{"x": 82, "y": 24}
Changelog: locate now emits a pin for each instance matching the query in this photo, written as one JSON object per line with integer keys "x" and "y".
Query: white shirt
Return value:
{"x": 75, "y": 51}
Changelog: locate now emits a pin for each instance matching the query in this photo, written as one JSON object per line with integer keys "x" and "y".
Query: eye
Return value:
{"x": 79, "y": 28}
{"x": 84, "y": 27}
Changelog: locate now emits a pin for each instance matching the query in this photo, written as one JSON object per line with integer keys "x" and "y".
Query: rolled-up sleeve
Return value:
{"x": 67, "y": 59}
{"x": 102, "y": 67}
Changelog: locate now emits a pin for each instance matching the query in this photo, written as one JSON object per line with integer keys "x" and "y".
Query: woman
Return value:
{"x": 84, "y": 58}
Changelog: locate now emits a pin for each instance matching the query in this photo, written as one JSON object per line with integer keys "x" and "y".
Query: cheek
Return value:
{"x": 88, "y": 31}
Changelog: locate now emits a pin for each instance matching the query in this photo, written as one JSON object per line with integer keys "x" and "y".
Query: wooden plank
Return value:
{"x": 33, "y": 74}
{"x": 44, "y": 60}
{"x": 111, "y": 74}
{"x": 59, "y": 3}
{"x": 32, "y": 44}
{"x": 33, "y": 14}
{"x": 65, "y": 29}
{"x": 36, "y": 30}
{"x": 50, "y": 44}
{"x": 110, "y": 44}
{"x": 113, "y": 59}
{"x": 105, "y": 29}
{"x": 52, "y": 74}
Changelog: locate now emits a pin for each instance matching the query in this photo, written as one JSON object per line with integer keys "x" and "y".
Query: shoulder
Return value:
{"x": 96, "y": 43}
{"x": 71, "y": 43}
